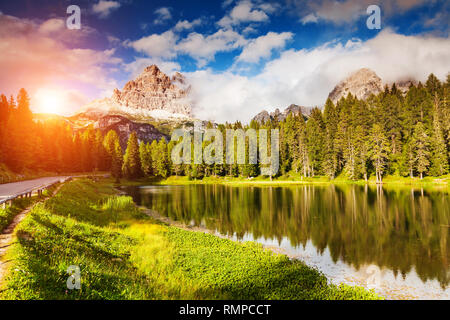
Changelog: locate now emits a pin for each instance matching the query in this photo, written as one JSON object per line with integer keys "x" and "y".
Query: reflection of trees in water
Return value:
{"x": 397, "y": 228}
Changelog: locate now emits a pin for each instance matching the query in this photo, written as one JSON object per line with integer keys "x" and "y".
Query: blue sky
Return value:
{"x": 241, "y": 56}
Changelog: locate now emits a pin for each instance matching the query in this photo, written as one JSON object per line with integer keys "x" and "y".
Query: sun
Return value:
{"x": 49, "y": 101}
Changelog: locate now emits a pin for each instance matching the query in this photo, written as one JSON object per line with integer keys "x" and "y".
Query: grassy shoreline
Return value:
{"x": 125, "y": 254}
{"x": 297, "y": 180}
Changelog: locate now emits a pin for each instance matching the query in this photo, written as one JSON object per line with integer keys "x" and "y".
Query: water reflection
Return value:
{"x": 401, "y": 229}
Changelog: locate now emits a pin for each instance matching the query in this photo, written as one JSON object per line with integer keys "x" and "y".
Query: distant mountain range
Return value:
{"x": 155, "y": 97}
{"x": 277, "y": 115}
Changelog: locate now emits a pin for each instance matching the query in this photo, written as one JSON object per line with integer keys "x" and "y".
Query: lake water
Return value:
{"x": 395, "y": 240}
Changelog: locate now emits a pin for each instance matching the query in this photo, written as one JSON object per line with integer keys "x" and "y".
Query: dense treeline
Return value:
{"x": 50, "y": 145}
{"x": 395, "y": 133}
{"x": 391, "y": 133}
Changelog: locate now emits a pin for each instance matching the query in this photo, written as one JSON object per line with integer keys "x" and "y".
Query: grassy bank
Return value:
{"x": 294, "y": 179}
{"x": 124, "y": 254}
{"x": 7, "y": 214}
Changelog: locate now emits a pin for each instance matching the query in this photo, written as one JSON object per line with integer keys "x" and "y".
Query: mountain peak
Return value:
{"x": 152, "y": 94}
{"x": 361, "y": 83}
{"x": 153, "y": 69}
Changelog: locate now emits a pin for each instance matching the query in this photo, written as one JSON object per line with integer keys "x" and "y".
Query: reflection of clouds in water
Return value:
{"x": 158, "y": 189}
{"x": 391, "y": 286}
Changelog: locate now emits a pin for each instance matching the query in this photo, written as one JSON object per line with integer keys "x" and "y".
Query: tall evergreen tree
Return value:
{"x": 131, "y": 162}
{"x": 330, "y": 156}
{"x": 421, "y": 148}
{"x": 146, "y": 158}
{"x": 439, "y": 159}
{"x": 379, "y": 151}
{"x": 162, "y": 159}
{"x": 117, "y": 161}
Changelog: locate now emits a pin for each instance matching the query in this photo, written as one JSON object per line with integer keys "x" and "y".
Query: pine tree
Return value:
{"x": 315, "y": 144}
{"x": 379, "y": 151}
{"x": 155, "y": 155}
{"x": 88, "y": 151}
{"x": 18, "y": 148}
{"x": 162, "y": 160}
{"x": 361, "y": 153}
{"x": 408, "y": 158}
{"x": 4, "y": 110}
{"x": 421, "y": 149}
{"x": 439, "y": 160}
{"x": 109, "y": 145}
{"x": 146, "y": 158}
{"x": 131, "y": 162}
{"x": 330, "y": 156}
{"x": 116, "y": 161}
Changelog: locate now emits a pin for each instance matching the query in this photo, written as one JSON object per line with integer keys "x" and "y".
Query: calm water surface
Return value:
{"x": 395, "y": 240}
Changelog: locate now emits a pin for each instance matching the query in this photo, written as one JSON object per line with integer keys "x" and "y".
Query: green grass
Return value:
{"x": 18, "y": 205}
{"x": 295, "y": 179}
{"x": 7, "y": 214}
{"x": 124, "y": 254}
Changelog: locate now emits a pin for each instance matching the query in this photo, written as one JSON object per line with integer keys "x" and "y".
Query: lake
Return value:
{"x": 395, "y": 240}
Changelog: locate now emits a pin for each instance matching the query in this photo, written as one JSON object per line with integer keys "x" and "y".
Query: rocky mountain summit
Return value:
{"x": 153, "y": 94}
{"x": 277, "y": 115}
{"x": 361, "y": 84}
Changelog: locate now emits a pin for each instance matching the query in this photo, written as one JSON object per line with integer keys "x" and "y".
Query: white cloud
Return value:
{"x": 200, "y": 47}
{"x": 156, "y": 45}
{"x": 226, "y": 3}
{"x": 186, "y": 25}
{"x": 203, "y": 49}
{"x": 306, "y": 77}
{"x": 245, "y": 11}
{"x": 163, "y": 15}
{"x": 347, "y": 11}
{"x": 104, "y": 8}
{"x": 52, "y": 25}
{"x": 249, "y": 30}
{"x": 263, "y": 46}
{"x": 34, "y": 57}
{"x": 310, "y": 18}
{"x": 113, "y": 40}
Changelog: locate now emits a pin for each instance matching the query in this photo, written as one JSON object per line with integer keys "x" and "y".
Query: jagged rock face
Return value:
{"x": 403, "y": 86}
{"x": 151, "y": 94}
{"x": 277, "y": 115}
{"x": 262, "y": 117}
{"x": 145, "y": 132}
{"x": 361, "y": 84}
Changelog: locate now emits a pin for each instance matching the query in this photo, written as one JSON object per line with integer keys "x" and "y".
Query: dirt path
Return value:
{"x": 7, "y": 235}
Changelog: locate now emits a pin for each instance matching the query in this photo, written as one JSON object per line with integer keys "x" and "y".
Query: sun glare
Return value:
{"x": 48, "y": 101}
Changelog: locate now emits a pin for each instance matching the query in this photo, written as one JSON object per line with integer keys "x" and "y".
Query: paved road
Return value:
{"x": 17, "y": 188}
